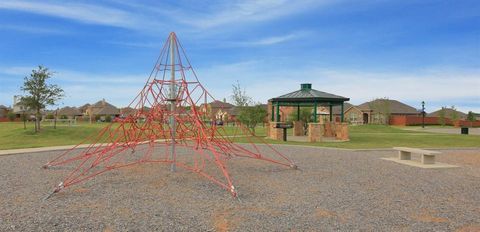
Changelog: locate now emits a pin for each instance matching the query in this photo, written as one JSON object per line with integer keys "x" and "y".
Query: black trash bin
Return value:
{"x": 464, "y": 130}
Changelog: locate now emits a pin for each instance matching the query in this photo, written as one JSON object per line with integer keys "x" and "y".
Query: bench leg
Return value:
{"x": 428, "y": 159}
{"x": 404, "y": 155}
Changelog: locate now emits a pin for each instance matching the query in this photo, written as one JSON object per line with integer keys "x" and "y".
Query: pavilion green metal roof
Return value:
{"x": 307, "y": 94}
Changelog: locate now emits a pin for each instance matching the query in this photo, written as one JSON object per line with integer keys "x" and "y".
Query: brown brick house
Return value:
{"x": 217, "y": 110}
{"x": 70, "y": 112}
{"x": 373, "y": 112}
{"x": 448, "y": 113}
{"x": 101, "y": 108}
{"x": 4, "y": 111}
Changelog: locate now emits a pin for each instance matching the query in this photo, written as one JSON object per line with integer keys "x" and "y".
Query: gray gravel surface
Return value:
{"x": 335, "y": 190}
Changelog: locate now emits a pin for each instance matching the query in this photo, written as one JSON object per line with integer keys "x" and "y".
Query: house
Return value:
{"x": 373, "y": 112}
{"x": 83, "y": 109}
{"x": 126, "y": 111}
{"x": 100, "y": 109}
{"x": 4, "y": 111}
{"x": 19, "y": 109}
{"x": 69, "y": 112}
{"x": 448, "y": 113}
{"x": 338, "y": 109}
{"x": 217, "y": 110}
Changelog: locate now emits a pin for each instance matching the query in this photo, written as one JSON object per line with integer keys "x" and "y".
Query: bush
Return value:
{"x": 63, "y": 116}
{"x": 11, "y": 116}
{"x": 49, "y": 116}
{"x": 97, "y": 118}
{"x": 108, "y": 118}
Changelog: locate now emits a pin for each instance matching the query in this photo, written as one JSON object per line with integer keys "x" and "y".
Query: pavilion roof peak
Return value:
{"x": 307, "y": 94}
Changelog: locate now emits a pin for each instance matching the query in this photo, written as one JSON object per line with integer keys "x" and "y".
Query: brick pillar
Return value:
{"x": 342, "y": 131}
{"x": 298, "y": 129}
{"x": 275, "y": 133}
{"x": 329, "y": 129}
{"x": 267, "y": 129}
{"x": 315, "y": 132}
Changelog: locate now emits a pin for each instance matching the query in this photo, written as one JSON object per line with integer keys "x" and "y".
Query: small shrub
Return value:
{"x": 49, "y": 116}
{"x": 11, "y": 116}
{"x": 108, "y": 118}
{"x": 97, "y": 118}
{"x": 63, "y": 116}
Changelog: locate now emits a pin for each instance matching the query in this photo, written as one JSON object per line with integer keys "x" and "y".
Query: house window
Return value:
{"x": 353, "y": 117}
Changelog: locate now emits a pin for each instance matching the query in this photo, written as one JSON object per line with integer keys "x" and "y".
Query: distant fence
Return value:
{"x": 404, "y": 120}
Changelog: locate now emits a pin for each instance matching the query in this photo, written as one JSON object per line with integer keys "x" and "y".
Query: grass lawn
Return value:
{"x": 380, "y": 136}
{"x": 12, "y": 136}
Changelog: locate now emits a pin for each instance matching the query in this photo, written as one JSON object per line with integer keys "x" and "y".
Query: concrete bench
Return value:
{"x": 405, "y": 153}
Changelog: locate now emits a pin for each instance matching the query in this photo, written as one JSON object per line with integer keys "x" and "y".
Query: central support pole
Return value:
{"x": 173, "y": 96}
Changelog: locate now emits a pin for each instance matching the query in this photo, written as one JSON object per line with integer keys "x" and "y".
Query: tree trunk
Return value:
{"x": 24, "y": 121}
{"x": 55, "y": 120}
{"x": 37, "y": 121}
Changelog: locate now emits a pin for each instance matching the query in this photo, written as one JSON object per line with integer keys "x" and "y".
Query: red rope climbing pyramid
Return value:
{"x": 169, "y": 125}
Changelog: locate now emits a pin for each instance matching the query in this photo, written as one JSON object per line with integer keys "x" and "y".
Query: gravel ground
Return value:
{"x": 334, "y": 190}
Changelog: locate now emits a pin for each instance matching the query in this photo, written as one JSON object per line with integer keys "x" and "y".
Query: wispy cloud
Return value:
{"x": 239, "y": 12}
{"x": 33, "y": 29}
{"x": 84, "y": 13}
{"x": 270, "y": 40}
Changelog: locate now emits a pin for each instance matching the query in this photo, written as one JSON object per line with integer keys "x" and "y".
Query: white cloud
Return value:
{"x": 33, "y": 29}
{"x": 85, "y": 13}
{"x": 270, "y": 40}
{"x": 234, "y": 13}
{"x": 439, "y": 86}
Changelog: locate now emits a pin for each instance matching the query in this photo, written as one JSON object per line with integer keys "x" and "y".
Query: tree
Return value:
{"x": 471, "y": 116}
{"x": 239, "y": 96}
{"x": 454, "y": 115}
{"x": 250, "y": 116}
{"x": 441, "y": 116}
{"x": 39, "y": 93}
{"x": 11, "y": 116}
{"x": 23, "y": 117}
{"x": 381, "y": 107}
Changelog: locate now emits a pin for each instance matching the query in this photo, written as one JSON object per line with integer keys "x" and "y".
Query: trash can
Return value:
{"x": 464, "y": 130}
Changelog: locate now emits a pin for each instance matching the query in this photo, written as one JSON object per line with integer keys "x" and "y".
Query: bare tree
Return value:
{"x": 239, "y": 96}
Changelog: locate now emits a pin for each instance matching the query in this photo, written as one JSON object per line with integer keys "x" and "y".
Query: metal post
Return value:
{"x": 273, "y": 112}
{"x": 331, "y": 113}
{"x": 173, "y": 95}
{"x": 423, "y": 114}
{"x": 298, "y": 112}
{"x": 278, "y": 111}
{"x": 342, "y": 114}
{"x": 315, "y": 112}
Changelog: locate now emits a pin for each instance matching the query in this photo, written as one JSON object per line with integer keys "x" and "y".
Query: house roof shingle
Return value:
{"x": 395, "y": 106}
{"x": 69, "y": 111}
{"x": 448, "y": 113}
{"x": 307, "y": 94}
{"x": 220, "y": 104}
{"x": 104, "y": 108}
{"x": 337, "y": 109}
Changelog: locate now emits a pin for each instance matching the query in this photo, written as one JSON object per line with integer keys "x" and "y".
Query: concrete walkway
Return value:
{"x": 39, "y": 149}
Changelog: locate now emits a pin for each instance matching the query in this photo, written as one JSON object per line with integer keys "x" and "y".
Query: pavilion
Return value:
{"x": 308, "y": 97}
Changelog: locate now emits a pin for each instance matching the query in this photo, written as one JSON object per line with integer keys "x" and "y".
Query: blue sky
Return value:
{"x": 410, "y": 51}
